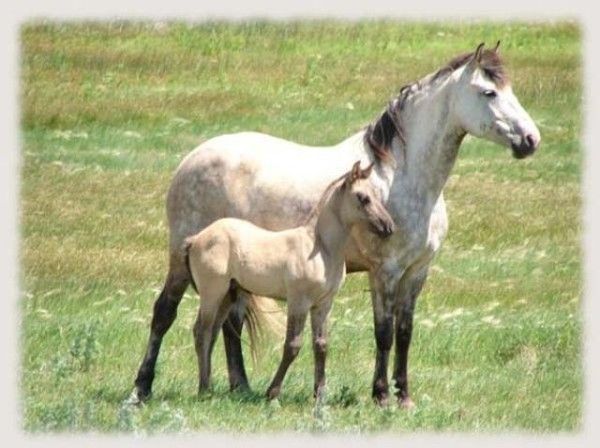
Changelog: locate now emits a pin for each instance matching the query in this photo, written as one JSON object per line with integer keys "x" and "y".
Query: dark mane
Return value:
{"x": 379, "y": 134}
{"x": 491, "y": 64}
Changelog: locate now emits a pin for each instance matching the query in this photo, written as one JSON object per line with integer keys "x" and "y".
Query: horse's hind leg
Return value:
{"x": 232, "y": 331}
{"x": 165, "y": 311}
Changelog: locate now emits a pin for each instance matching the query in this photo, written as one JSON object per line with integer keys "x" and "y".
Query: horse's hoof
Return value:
{"x": 204, "y": 391}
{"x": 273, "y": 393}
{"x": 240, "y": 388}
{"x": 137, "y": 398}
{"x": 406, "y": 403}
{"x": 381, "y": 400}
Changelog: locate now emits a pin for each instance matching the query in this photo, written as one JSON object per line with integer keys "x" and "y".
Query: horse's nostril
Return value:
{"x": 531, "y": 141}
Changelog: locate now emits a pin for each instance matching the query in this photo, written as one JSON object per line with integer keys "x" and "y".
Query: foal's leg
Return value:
{"x": 382, "y": 296}
{"x": 219, "y": 319}
{"x": 165, "y": 311}
{"x": 293, "y": 342}
{"x": 318, "y": 320}
{"x": 213, "y": 308}
{"x": 404, "y": 321}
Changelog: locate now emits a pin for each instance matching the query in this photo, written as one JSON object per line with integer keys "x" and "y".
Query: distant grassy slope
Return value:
{"x": 108, "y": 110}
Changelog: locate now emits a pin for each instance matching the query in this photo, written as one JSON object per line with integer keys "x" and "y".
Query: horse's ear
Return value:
{"x": 367, "y": 171}
{"x": 476, "y": 57}
{"x": 478, "y": 53}
{"x": 496, "y": 47}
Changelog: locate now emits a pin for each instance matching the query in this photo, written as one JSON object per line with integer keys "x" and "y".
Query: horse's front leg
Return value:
{"x": 382, "y": 296}
{"x": 408, "y": 293}
{"x": 318, "y": 320}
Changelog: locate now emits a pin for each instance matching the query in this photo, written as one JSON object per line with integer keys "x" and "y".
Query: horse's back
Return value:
{"x": 266, "y": 180}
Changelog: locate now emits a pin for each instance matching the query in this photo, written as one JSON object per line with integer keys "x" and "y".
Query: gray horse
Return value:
{"x": 413, "y": 144}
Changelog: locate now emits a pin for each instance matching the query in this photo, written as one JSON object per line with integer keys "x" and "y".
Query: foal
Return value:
{"x": 304, "y": 265}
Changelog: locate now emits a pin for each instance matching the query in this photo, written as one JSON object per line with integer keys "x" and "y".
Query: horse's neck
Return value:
{"x": 329, "y": 231}
{"x": 432, "y": 139}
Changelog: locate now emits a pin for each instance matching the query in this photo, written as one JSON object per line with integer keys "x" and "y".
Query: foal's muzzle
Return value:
{"x": 383, "y": 227}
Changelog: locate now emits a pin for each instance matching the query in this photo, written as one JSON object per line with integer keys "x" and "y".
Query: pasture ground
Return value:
{"x": 109, "y": 110}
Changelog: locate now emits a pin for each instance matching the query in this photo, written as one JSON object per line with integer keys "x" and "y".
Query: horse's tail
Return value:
{"x": 186, "y": 255}
{"x": 262, "y": 314}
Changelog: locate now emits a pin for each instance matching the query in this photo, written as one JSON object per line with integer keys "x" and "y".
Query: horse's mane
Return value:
{"x": 379, "y": 134}
{"x": 490, "y": 63}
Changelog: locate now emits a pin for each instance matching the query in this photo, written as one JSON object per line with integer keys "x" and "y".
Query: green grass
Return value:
{"x": 109, "y": 110}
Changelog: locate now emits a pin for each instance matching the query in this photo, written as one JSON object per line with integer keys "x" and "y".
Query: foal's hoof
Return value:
{"x": 406, "y": 403}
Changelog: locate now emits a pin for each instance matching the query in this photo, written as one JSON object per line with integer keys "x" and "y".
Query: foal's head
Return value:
{"x": 361, "y": 204}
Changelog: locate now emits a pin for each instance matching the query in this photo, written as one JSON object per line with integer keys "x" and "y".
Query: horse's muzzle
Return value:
{"x": 528, "y": 145}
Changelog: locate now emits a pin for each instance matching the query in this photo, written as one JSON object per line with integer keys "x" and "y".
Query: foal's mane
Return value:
{"x": 379, "y": 134}
{"x": 329, "y": 190}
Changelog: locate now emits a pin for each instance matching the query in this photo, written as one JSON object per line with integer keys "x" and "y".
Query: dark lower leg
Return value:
{"x": 404, "y": 326}
{"x": 232, "y": 331}
{"x": 384, "y": 337}
{"x": 320, "y": 351}
{"x": 165, "y": 311}
{"x": 403, "y": 337}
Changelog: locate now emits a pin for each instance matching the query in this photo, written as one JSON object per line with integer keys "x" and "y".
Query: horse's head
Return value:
{"x": 486, "y": 107}
{"x": 360, "y": 202}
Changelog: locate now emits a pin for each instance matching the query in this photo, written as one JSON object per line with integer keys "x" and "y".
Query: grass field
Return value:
{"x": 108, "y": 111}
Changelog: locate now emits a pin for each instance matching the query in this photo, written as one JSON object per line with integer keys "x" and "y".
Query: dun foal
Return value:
{"x": 304, "y": 265}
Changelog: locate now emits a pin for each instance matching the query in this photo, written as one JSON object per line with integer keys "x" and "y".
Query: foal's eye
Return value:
{"x": 363, "y": 198}
{"x": 489, "y": 93}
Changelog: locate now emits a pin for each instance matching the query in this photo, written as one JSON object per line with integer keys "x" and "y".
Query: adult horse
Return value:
{"x": 274, "y": 183}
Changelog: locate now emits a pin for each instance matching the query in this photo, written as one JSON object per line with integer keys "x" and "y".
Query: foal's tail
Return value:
{"x": 260, "y": 313}
{"x": 186, "y": 255}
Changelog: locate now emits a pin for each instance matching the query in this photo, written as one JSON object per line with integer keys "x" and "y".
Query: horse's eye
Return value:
{"x": 363, "y": 198}
{"x": 489, "y": 93}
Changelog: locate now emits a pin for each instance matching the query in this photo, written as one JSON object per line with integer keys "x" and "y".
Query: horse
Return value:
{"x": 414, "y": 144}
{"x": 304, "y": 265}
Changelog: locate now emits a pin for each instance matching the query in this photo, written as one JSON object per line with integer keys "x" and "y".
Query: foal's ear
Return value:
{"x": 367, "y": 171}
{"x": 355, "y": 173}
